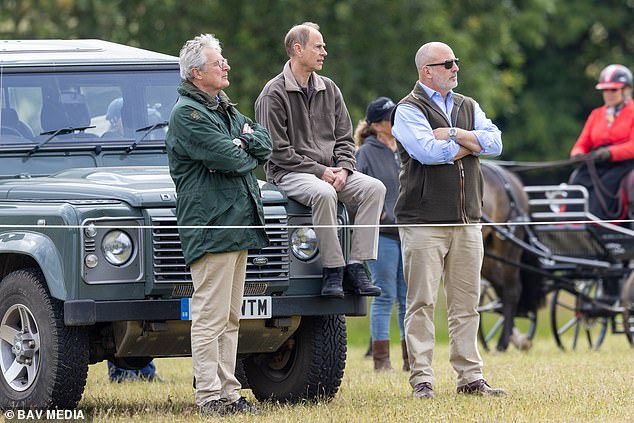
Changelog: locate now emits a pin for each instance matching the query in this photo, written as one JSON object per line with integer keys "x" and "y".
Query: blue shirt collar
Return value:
{"x": 435, "y": 95}
{"x": 445, "y": 106}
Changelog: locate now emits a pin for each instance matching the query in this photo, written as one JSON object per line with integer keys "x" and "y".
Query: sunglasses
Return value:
{"x": 448, "y": 64}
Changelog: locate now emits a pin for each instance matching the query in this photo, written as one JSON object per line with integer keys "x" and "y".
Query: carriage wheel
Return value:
{"x": 627, "y": 300}
{"x": 492, "y": 320}
{"x": 572, "y": 317}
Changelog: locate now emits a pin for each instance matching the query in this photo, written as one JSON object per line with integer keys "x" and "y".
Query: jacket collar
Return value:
{"x": 419, "y": 93}
{"x": 188, "y": 89}
{"x": 291, "y": 84}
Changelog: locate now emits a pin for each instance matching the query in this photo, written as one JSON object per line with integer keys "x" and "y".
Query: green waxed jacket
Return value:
{"x": 215, "y": 183}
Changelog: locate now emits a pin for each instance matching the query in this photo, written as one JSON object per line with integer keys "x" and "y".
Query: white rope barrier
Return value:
{"x": 277, "y": 226}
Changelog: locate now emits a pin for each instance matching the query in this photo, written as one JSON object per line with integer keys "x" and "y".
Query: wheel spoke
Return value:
{"x": 13, "y": 371}
{"x": 494, "y": 329}
{"x": 27, "y": 321}
{"x": 7, "y": 333}
{"x": 490, "y": 306}
{"x": 24, "y": 319}
{"x": 563, "y": 305}
{"x": 570, "y": 323}
{"x": 575, "y": 337}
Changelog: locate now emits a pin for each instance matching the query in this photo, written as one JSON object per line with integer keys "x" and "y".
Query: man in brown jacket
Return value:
{"x": 313, "y": 159}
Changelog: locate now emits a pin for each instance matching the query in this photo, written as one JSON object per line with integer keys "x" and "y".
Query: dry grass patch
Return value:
{"x": 545, "y": 384}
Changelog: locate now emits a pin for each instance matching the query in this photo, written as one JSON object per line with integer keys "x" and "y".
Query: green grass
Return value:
{"x": 358, "y": 328}
{"x": 545, "y": 385}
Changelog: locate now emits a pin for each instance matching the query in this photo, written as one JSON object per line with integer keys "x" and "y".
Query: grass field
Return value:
{"x": 545, "y": 385}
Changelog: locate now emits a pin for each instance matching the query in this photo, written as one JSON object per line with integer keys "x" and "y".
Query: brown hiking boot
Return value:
{"x": 481, "y": 387}
{"x": 405, "y": 357}
{"x": 381, "y": 355}
{"x": 423, "y": 390}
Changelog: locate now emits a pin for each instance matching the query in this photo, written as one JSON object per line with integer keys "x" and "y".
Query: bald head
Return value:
{"x": 437, "y": 67}
{"x": 431, "y": 53}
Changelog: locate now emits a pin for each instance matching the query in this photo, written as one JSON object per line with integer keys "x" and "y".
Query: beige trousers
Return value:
{"x": 453, "y": 254}
{"x": 215, "y": 309}
{"x": 362, "y": 193}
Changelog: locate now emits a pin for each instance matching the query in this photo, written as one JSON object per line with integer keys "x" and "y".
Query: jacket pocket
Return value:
{"x": 214, "y": 203}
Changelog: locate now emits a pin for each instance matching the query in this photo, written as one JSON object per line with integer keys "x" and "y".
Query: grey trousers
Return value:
{"x": 453, "y": 254}
{"x": 362, "y": 193}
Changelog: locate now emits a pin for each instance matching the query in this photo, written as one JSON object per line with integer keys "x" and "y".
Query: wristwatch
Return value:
{"x": 452, "y": 133}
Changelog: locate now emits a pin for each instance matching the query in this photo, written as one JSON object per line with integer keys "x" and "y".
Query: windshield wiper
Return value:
{"x": 54, "y": 133}
{"x": 148, "y": 130}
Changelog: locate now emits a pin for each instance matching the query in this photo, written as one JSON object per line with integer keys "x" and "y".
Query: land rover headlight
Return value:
{"x": 304, "y": 243}
{"x": 117, "y": 247}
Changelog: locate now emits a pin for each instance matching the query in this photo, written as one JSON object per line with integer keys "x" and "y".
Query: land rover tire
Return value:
{"x": 43, "y": 363}
{"x": 308, "y": 367}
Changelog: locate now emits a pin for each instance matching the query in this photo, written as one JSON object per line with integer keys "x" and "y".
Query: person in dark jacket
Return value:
{"x": 440, "y": 136}
{"x": 377, "y": 156}
{"x": 213, "y": 150}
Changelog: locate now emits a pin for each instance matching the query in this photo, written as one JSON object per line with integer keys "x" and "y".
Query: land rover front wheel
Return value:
{"x": 308, "y": 367}
{"x": 43, "y": 363}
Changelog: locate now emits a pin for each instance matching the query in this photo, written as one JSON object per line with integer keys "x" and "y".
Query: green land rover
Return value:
{"x": 91, "y": 266}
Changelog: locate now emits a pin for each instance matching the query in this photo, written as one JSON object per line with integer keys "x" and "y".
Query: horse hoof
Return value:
{"x": 521, "y": 341}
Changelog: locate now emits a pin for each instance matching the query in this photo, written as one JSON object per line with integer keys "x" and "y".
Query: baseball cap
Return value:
{"x": 379, "y": 109}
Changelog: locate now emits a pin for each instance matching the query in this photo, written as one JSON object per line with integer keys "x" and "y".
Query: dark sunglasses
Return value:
{"x": 448, "y": 64}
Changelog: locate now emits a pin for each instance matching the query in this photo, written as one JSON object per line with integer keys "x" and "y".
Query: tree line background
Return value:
{"x": 531, "y": 64}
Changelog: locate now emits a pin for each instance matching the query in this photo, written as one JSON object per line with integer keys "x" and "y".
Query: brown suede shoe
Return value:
{"x": 481, "y": 387}
{"x": 423, "y": 390}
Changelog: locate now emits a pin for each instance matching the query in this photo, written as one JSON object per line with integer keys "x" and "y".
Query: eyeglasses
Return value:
{"x": 221, "y": 63}
{"x": 448, "y": 64}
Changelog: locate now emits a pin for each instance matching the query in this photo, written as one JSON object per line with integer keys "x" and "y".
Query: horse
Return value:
{"x": 505, "y": 263}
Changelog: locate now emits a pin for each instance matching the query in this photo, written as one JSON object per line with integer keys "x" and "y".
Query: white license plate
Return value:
{"x": 252, "y": 308}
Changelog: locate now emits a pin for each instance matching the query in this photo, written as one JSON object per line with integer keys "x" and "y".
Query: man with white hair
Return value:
{"x": 213, "y": 150}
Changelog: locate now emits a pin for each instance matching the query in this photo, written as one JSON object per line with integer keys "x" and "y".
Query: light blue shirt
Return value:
{"x": 412, "y": 129}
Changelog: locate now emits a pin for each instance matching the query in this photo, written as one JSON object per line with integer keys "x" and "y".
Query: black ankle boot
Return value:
{"x": 332, "y": 282}
{"x": 355, "y": 280}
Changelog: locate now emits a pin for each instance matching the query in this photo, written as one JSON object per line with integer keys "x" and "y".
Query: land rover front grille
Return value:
{"x": 266, "y": 265}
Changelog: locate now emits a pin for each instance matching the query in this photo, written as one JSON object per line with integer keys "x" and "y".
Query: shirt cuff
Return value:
{"x": 486, "y": 147}
{"x": 450, "y": 150}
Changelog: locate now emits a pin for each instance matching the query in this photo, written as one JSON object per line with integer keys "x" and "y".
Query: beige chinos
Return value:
{"x": 453, "y": 254}
{"x": 363, "y": 193}
{"x": 218, "y": 280}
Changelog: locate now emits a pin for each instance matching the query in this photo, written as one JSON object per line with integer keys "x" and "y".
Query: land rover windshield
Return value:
{"x": 81, "y": 109}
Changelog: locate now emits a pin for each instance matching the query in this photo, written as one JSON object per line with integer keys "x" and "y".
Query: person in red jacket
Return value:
{"x": 607, "y": 139}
